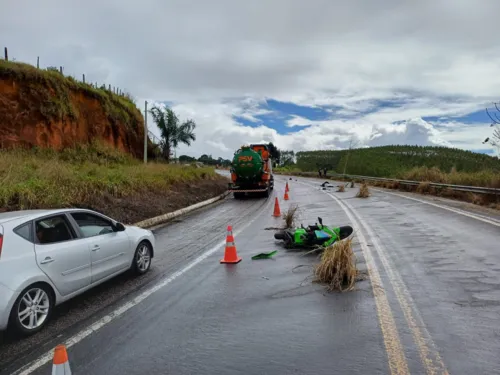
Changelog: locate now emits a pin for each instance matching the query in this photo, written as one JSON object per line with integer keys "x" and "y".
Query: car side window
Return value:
{"x": 53, "y": 229}
{"x": 92, "y": 225}
{"x": 24, "y": 231}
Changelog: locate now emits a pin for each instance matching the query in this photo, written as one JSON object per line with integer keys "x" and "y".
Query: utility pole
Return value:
{"x": 145, "y": 132}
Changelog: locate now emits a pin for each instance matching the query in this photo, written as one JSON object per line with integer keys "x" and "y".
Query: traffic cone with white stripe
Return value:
{"x": 287, "y": 189}
{"x": 60, "y": 364}
{"x": 230, "y": 254}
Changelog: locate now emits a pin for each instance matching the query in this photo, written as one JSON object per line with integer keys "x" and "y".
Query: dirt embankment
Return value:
{"x": 46, "y": 109}
{"x": 89, "y": 147}
{"x": 147, "y": 204}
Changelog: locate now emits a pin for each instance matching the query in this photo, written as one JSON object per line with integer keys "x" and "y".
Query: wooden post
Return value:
{"x": 84, "y": 78}
{"x": 6, "y": 54}
{"x": 38, "y": 62}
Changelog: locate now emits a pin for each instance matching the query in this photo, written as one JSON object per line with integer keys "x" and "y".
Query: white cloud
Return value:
{"x": 222, "y": 58}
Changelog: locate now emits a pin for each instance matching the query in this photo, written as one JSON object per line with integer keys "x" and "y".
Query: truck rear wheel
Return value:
{"x": 267, "y": 193}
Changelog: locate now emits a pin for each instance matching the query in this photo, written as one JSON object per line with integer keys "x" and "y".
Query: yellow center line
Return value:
{"x": 430, "y": 358}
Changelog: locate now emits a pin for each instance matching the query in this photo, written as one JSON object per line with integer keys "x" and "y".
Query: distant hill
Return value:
{"x": 396, "y": 161}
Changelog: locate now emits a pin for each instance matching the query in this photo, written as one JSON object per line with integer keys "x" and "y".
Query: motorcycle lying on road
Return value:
{"x": 314, "y": 235}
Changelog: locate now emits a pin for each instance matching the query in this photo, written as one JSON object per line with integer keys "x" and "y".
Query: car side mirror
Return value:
{"x": 118, "y": 227}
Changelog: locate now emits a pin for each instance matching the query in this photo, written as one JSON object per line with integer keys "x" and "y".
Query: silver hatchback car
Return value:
{"x": 50, "y": 256}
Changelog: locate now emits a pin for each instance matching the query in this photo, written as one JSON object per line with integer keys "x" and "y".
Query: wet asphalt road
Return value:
{"x": 433, "y": 303}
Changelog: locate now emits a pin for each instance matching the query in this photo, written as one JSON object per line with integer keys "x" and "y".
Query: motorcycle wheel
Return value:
{"x": 345, "y": 231}
{"x": 279, "y": 235}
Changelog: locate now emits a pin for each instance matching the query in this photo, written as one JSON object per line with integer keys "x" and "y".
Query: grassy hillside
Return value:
{"x": 436, "y": 164}
{"x": 101, "y": 178}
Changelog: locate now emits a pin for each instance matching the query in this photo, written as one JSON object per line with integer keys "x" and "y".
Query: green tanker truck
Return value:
{"x": 252, "y": 171}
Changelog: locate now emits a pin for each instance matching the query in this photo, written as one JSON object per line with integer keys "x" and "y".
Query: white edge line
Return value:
{"x": 45, "y": 358}
{"x": 461, "y": 212}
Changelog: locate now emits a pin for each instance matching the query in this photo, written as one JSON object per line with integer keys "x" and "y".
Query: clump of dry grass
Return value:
{"x": 290, "y": 216}
{"x": 363, "y": 191}
{"x": 423, "y": 187}
{"x": 340, "y": 188}
{"x": 476, "y": 199}
{"x": 337, "y": 268}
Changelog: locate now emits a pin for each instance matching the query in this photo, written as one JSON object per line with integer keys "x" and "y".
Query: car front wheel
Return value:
{"x": 32, "y": 309}
{"x": 142, "y": 258}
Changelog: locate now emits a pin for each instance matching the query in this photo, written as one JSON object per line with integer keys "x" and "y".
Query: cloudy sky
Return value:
{"x": 304, "y": 74}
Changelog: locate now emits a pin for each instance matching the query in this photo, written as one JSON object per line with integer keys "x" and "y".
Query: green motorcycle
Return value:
{"x": 313, "y": 235}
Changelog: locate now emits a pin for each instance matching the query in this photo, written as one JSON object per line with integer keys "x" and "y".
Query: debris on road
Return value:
{"x": 340, "y": 189}
{"x": 363, "y": 191}
{"x": 290, "y": 216}
{"x": 337, "y": 268}
{"x": 265, "y": 255}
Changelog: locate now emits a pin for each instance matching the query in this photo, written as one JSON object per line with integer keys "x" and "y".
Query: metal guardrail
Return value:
{"x": 470, "y": 189}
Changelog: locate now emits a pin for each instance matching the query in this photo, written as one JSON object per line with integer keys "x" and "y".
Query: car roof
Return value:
{"x": 33, "y": 214}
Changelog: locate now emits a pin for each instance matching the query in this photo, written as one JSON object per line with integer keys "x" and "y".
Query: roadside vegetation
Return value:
{"x": 433, "y": 164}
{"x": 424, "y": 164}
{"x": 173, "y": 132}
{"x": 101, "y": 178}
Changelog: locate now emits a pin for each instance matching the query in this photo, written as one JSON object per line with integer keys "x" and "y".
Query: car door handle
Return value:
{"x": 47, "y": 260}
{"x": 96, "y": 248}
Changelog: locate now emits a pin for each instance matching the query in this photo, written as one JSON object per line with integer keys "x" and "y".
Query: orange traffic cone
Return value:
{"x": 277, "y": 211}
{"x": 286, "y": 195}
{"x": 230, "y": 255}
{"x": 60, "y": 365}
{"x": 287, "y": 189}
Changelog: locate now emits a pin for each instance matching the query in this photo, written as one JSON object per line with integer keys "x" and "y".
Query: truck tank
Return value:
{"x": 248, "y": 164}
{"x": 251, "y": 171}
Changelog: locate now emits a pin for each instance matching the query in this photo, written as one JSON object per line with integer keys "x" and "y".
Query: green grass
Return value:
{"x": 42, "y": 178}
{"x": 485, "y": 178}
{"x": 51, "y": 92}
{"x": 396, "y": 161}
